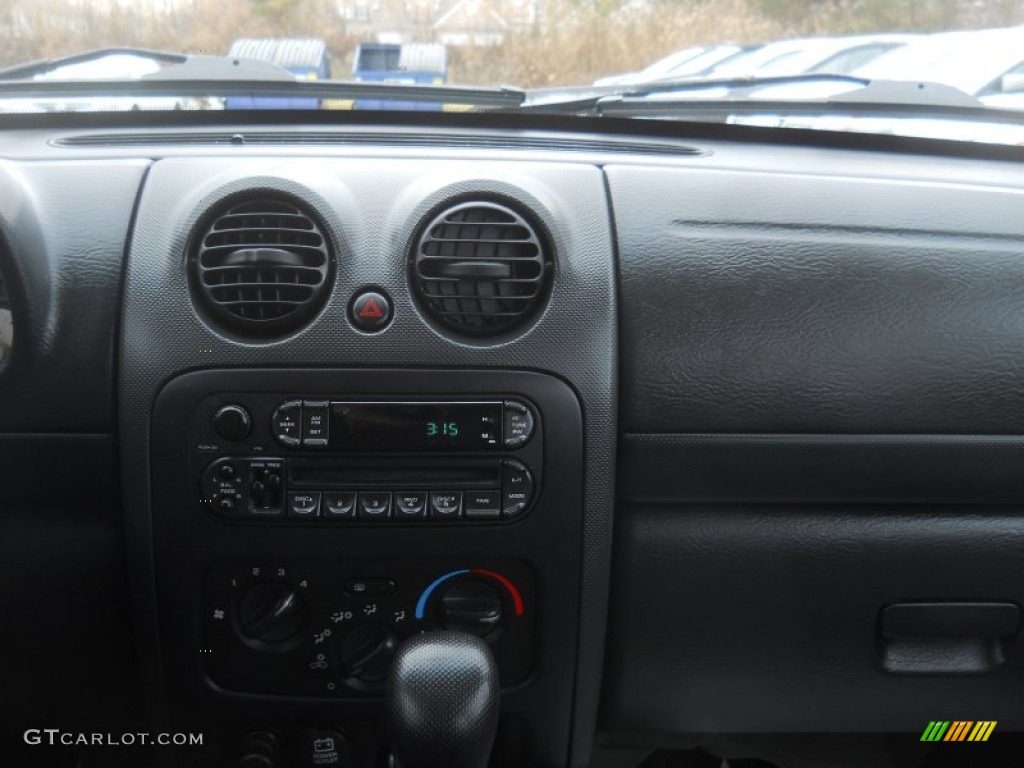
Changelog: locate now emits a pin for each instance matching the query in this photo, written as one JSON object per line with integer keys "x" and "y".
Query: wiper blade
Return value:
{"x": 642, "y": 98}
{"x": 507, "y": 98}
{"x": 228, "y": 76}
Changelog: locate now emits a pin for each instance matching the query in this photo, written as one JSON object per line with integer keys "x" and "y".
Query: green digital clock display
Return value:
{"x": 442, "y": 429}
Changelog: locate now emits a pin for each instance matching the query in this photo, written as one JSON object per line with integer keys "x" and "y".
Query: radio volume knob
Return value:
{"x": 232, "y": 423}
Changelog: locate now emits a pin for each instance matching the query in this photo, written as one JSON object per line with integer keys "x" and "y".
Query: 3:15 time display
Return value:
{"x": 442, "y": 429}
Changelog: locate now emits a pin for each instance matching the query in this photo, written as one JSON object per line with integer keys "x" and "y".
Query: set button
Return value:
{"x": 315, "y": 423}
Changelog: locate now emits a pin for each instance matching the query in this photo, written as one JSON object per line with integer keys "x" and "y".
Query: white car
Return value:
{"x": 977, "y": 63}
{"x": 827, "y": 55}
{"x": 112, "y": 66}
{"x": 684, "y": 63}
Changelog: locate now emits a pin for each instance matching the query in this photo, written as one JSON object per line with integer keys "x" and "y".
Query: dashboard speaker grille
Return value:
{"x": 481, "y": 269}
{"x": 261, "y": 266}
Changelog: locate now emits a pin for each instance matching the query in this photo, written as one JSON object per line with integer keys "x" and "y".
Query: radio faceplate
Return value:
{"x": 292, "y": 459}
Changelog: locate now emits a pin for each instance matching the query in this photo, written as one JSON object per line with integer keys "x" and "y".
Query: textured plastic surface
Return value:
{"x": 443, "y": 701}
{"x": 796, "y": 303}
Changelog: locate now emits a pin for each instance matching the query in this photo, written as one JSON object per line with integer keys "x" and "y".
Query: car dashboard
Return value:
{"x": 703, "y": 432}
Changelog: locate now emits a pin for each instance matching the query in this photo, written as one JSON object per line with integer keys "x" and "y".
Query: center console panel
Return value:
{"x": 307, "y": 521}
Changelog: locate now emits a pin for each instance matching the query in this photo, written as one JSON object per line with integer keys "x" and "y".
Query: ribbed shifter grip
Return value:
{"x": 443, "y": 701}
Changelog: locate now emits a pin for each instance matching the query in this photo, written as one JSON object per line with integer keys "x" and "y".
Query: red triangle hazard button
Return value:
{"x": 371, "y": 309}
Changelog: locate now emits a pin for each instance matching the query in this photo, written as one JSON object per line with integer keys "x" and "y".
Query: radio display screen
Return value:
{"x": 415, "y": 427}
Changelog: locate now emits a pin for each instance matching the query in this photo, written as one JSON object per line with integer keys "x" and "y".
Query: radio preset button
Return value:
{"x": 304, "y": 504}
{"x": 518, "y": 424}
{"x": 445, "y": 504}
{"x": 339, "y": 505}
{"x": 286, "y": 423}
{"x": 482, "y": 504}
{"x": 315, "y": 423}
{"x": 374, "y": 505}
{"x": 410, "y": 504}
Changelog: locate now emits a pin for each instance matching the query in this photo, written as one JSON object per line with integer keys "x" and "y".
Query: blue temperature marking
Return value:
{"x": 421, "y": 604}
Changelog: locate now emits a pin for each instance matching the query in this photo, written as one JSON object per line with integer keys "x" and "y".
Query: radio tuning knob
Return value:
{"x": 232, "y": 422}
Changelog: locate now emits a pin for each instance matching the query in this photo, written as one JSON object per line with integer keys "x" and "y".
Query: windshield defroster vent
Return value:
{"x": 481, "y": 269}
{"x": 261, "y": 266}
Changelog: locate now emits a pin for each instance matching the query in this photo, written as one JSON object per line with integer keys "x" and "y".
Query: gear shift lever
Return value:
{"x": 443, "y": 701}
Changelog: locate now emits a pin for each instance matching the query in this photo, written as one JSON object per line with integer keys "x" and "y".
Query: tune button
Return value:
{"x": 518, "y": 424}
{"x": 446, "y": 505}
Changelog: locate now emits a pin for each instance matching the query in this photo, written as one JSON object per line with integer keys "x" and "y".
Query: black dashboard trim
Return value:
{"x": 515, "y": 122}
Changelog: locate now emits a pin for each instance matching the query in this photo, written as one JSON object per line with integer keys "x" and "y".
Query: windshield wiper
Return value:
{"x": 740, "y": 95}
{"x": 226, "y": 77}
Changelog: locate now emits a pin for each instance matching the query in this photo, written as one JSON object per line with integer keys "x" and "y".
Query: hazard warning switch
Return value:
{"x": 370, "y": 311}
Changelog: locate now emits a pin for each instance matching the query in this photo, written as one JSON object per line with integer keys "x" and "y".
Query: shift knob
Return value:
{"x": 443, "y": 701}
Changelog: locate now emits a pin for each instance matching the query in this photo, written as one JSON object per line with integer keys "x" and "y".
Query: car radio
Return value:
{"x": 261, "y": 458}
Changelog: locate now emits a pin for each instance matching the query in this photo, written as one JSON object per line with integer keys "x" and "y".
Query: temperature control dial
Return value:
{"x": 470, "y": 605}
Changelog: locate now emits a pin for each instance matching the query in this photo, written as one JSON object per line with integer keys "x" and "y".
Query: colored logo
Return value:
{"x": 958, "y": 730}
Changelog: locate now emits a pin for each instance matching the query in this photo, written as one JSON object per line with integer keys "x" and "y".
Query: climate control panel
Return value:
{"x": 331, "y": 628}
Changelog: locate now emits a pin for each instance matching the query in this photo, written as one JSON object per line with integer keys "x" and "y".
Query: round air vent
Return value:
{"x": 481, "y": 269}
{"x": 261, "y": 266}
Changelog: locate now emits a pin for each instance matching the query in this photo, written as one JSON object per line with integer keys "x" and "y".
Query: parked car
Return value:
{"x": 975, "y": 62}
{"x": 103, "y": 65}
{"x": 832, "y": 55}
{"x": 684, "y": 63}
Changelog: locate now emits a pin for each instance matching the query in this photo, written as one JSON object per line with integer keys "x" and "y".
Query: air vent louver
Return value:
{"x": 261, "y": 266}
{"x": 481, "y": 269}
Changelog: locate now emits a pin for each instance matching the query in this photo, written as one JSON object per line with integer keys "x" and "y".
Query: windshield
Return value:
{"x": 312, "y": 55}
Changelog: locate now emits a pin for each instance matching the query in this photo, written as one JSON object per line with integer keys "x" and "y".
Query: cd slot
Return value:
{"x": 366, "y": 474}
